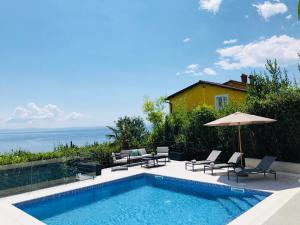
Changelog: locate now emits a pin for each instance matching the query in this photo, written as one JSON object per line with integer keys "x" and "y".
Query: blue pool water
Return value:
{"x": 144, "y": 199}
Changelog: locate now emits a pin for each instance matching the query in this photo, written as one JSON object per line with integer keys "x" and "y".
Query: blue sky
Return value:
{"x": 74, "y": 63}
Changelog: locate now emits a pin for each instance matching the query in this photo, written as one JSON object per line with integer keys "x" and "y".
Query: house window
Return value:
{"x": 221, "y": 101}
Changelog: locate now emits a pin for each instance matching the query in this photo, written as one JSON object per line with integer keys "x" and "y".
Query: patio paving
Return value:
{"x": 177, "y": 169}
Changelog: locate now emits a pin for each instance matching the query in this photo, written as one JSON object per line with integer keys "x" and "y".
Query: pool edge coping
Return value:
{"x": 130, "y": 177}
{"x": 265, "y": 209}
{"x": 8, "y": 203}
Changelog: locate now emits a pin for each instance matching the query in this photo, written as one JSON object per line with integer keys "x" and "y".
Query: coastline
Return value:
{"x": 46, "y": 139}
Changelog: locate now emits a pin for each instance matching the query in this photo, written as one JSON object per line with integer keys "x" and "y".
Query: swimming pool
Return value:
{"x": 145, "y": 199}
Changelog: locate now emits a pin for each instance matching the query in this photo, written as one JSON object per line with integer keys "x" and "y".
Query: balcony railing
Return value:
{"x": 24, "y": 177}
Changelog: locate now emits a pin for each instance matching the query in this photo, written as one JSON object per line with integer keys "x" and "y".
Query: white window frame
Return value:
{"x": 217, "y": 106}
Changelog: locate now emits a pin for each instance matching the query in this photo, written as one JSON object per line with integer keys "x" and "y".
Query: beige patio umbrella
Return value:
{"x": 238, "y": 119}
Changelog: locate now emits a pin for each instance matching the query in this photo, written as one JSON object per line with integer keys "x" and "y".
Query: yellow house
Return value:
{"x": 209, "y": 93}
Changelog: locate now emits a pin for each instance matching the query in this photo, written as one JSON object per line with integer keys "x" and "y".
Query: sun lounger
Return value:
{"x": 232, "y": 163}
{"x": 210, "y": 159}
{"x": 262, "y": 167}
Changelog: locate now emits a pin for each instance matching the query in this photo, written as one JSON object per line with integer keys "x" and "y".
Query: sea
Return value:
{"x": 43, "y": 140}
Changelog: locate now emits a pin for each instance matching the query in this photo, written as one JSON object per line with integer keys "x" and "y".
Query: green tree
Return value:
{"x": 129, "y": 132}
{"x": 273, "y": 81}
{"x": 155, "y": 114}
{"x": 175, "y": 127}
{"x": 154, "y": 110}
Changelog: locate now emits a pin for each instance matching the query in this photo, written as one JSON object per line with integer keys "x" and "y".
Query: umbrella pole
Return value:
{"x": 240, "y": 145}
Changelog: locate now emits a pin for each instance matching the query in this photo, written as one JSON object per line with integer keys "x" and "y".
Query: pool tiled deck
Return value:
{"x": 286, "y": 190}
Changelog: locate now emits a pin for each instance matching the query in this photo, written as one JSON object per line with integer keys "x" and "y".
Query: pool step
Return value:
{"x": 241, "y": 203}
{"x": 229, "y": 206}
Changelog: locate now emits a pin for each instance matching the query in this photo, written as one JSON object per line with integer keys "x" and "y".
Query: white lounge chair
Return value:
{"x": 213, "y": 156}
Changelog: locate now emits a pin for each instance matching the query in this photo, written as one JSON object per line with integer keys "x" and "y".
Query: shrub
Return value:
{"x": 100, "y": 153}
{"x": 281, "y": 138}
{"x": 201, "y": 139}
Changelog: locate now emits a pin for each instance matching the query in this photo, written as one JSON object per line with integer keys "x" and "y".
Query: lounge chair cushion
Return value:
{"x": 198, "y": 162}
{"x": 235, "y": 158}
{"x": 142, "y": 151}
{"x": 118, "y": 155}
{"x": 116, "y": 168}
{"x": 125, "y": 153}
{"x": 263, "y": 166}
{"x": 120, "y": 161}
{"x": 134, "y": 152}
{"x": 220, "y": 165}
{"x": 162, "y": 150}
{"x": 213, "y": 155}
{"x": 210, "y": 159}
{"x": 132, "y": 158}
{"x": 266, "y": 163}
{"x": 163, "y": 154}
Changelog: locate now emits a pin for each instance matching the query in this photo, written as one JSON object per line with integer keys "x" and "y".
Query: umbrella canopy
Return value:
{"x": 238, "y": 119}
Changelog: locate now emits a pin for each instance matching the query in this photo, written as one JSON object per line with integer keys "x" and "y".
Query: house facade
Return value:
{"x": 209, "y": 93}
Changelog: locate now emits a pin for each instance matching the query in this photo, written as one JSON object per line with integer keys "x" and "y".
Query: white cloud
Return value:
{"x": 209, "y": 71}
{"x": 231, "y": 41}
{"x": 210, "y": 5}
{"x": 268, "y": 9}
{"x": 284, "y": 48}
{"x": 73, "y": 116}
{"x": 186, "y": 40}
{"x": 192, "y": 69}
{"x": 32, "y": 112}
{"x": 288, "y": 17}
{"x": 195, "y": 70}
